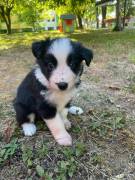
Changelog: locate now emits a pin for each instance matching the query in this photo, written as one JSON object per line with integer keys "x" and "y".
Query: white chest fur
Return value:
{"x": 59, "y": 98}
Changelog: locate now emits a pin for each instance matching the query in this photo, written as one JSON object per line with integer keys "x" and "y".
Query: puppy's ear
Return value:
{"x": 86, "y": 55}
{"x": 39, "y": 48}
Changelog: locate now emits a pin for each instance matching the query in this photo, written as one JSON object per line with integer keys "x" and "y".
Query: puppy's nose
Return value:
{"x": 62, "y": 85}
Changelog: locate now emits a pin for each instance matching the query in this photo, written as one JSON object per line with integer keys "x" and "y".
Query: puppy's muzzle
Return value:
{"x": 62, "y": 85}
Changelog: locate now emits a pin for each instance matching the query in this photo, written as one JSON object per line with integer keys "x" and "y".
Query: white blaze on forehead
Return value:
{"x": 60, "y": 48}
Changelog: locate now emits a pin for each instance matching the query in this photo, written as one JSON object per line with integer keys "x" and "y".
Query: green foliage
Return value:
{"x": 7, "y": 2}
{"x": 6, "y": 7}
{"x": 68, "y": 152}
{"x": 42, "y": 174}
{"x": 65, "y": 169}
{"x": 8, "y": 150}
{"x": 42, "y": 152}
{"x": 107, "y": 122}
{"x": 27, "y": 155}
{"x": 80, "y": 149}
{"x": 131, "y": 86}
{"x": 89, "y": 13}
{"x": 40, "y": 171}
{"x": 65, "y": 157}
{"x": 96, "y": 158}
{"x": 130, "y": 9}
{"x": 29, "y": 11}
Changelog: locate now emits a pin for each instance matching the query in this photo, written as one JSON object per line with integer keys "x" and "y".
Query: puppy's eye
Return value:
{"x": 50, "y": 66}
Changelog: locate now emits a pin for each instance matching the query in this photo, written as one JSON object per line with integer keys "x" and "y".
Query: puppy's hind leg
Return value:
{"x": 25, "y": 119}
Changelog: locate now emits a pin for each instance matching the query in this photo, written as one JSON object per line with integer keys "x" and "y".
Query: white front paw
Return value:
{"x": 75, "y": 110}
{"x": 29, "y": 129}
{"x": 64, "y": 140}
{"x": 67, "y": 124}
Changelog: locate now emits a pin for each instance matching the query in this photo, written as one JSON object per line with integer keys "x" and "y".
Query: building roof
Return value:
{"x": 67, "y": 16}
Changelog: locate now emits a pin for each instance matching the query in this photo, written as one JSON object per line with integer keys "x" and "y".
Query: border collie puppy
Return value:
{"x": 46, "y": 91}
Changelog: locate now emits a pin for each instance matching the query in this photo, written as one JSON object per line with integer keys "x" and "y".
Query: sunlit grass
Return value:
{"x": 108, "y": 39}
{"x": 24, "y": 39}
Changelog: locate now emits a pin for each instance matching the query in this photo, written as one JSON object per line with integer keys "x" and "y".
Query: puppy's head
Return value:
{"x": 60, "y": 61}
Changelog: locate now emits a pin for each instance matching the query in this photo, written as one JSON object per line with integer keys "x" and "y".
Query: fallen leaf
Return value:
{"x": 114, "y": 88}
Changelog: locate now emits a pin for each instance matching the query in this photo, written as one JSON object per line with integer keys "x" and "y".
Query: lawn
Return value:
{"x": 103, "y": 136}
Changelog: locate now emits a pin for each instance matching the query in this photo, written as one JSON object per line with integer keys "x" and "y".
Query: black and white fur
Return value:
{"x": 46, "y": 91}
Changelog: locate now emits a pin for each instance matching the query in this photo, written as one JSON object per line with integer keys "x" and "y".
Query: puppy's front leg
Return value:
{"x": 57, "y": 128}
{"x": 64, "y": 114}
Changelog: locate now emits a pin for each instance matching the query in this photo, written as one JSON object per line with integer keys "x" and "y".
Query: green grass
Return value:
{"x": 24, "y": 39}
{"x": 107, "y": 39}
{"x": 131, "y": 87}
{"x": 132, "y": 57}
{"x": 8, "y": 151}
{"x": 105, "y": 123}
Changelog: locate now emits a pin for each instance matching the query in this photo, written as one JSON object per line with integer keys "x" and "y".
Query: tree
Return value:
{"x": 29, "y": 11}
{"x": 79, "y": 7}
{"x": 118, "y": 26}
{"x": 104, "y": 10}
{"x": 124, "y": 13}
{"x": 89, "y": 15}
{"x": 6, "y": 7}
{"x": 97, "y": 17}
{"x": 128, "y": 9}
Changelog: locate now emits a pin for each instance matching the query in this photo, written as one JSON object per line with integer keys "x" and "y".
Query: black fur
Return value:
{"x": 68, "y": 104}
{"x": 74, "y": 62}
{"x": 46, "y": 110}
{"x": 44, "y": 60}
{"x": 40, "y": 48}
{"x": 29, "y": 100}
{"x": 47, "y": 64}
{"x": 79, "y": 53}
{"x": 82, "y": 52}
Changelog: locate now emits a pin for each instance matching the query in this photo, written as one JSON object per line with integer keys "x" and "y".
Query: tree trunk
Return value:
{"x": 9, "y": 23}
{"x": 97, "y": 20}
{"x": 5, "y": 14}
{"x": 125, "y": 6}
{"x": 118, "y": 26}
{"x": 9, "y": 29}
{"x": 80, "y": 25}
{"x": 104, "y": 10}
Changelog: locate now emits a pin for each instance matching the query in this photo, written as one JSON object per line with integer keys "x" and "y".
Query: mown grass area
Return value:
{"x": 101, "y": 37}
{"x": 103, "y": 136}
